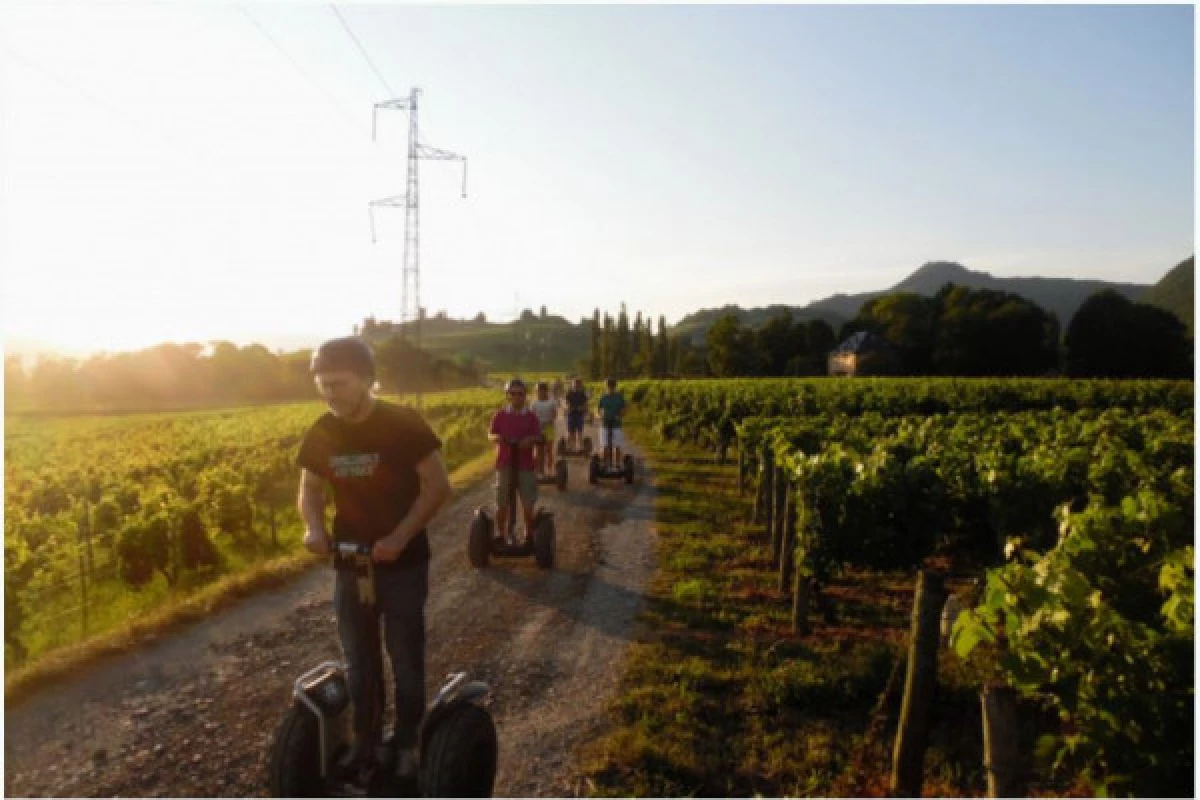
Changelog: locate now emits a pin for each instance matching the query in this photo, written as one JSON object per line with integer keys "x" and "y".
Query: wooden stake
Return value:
{"x": 1001, "y": 749}
{"x": 912, "y": 735}
{"x": 788, "y": 551}
{"x": 800, "y": 603}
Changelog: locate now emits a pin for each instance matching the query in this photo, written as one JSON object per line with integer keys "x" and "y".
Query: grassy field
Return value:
{"x": 720, "y": 698}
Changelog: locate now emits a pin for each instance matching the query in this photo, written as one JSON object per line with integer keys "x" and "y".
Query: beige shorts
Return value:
{"x": 527, "y": 487}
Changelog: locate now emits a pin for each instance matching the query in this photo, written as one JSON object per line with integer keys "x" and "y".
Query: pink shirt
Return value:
{"x": 515, "y": 425}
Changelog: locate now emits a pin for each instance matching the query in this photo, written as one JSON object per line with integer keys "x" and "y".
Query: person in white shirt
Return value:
{"x": 546, "y": 410}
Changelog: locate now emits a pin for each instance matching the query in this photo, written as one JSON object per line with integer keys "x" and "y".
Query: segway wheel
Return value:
{"x": 628, "y": 468}
{"x": 295, "y": 768}
{"x": 587, "y": 445}
{"x": 479, "y": 544}
{"x": 560, "y": 475}
{"x": 459, "y": 758}
{"x": 543, "y": 541}
{"x": 593, "y": 470}
{"x": 560, "y": 449}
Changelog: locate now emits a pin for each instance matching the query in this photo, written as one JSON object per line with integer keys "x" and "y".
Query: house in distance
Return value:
{"x": 863, "y": 354}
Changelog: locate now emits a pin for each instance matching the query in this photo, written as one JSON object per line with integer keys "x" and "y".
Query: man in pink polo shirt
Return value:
{"x": 515, "y": 422}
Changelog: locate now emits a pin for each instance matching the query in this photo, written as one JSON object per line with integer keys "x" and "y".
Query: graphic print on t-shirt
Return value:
{"x": 354, "y": 465}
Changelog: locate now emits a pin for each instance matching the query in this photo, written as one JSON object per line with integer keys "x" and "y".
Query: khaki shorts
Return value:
{"x": 527, "y": 487}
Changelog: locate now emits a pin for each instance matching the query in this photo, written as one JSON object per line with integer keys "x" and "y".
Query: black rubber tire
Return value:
{"x": 459, "y": 760}
{"x": 628, "y": 469}
{"x": 295, "y": 766}
{"x": 543, "y": 541}
{"x": 479, "y": 543}
{"x": 560, "y": 475}
{"x": 593, "y": 468}
{"x": 587, "y": 446}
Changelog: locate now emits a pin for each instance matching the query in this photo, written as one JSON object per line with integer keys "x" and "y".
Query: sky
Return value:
{"x": 199, "y": 171}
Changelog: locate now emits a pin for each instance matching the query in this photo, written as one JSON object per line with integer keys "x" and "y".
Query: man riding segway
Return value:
{"x": 514, "y": 430}
{"x": 610, "y": 408}
{"x": 577, "y": 406}
{"x": 388, "y": 480}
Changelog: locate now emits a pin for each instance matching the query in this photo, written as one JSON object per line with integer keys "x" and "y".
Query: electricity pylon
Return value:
{"x": 410, "y": 201}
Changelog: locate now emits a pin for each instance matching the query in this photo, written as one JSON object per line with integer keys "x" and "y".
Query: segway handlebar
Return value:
{"x": 352, "y": 549}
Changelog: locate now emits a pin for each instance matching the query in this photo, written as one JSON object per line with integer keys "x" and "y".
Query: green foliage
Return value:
{"x": 401, "y": 367}
{"x": 1085, "y": 627}
{"x": 1176, "y": 292}
{"x": 197, "y": 550}
{"x": 1112, "y": 337}
{"x": 731, "y": 349}
{"x": 907, "y": 321}
{"x": 143, "y": 548}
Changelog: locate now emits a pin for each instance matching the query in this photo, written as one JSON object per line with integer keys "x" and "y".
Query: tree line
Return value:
{"x": 193, "y": 375}
{"x": 622, "y": 348}
{"x": 966, "y": 332}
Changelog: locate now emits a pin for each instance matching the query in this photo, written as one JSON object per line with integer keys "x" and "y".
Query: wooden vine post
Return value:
{"x": 762, "y": 510}
{"x": 741, "y": 469}
{"x": 801, "y": 600}
{"x": 779, "y": 509}
{"x": 912, "y": 735}
{"x": 1001, "y": 748}
{"x": 787, "y": 554}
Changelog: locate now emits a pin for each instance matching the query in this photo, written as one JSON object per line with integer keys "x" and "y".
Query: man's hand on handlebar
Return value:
{"x": 387, "y": 549}
{"x": 316, "y": 542}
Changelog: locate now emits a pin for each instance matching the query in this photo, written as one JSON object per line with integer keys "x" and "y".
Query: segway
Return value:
{"x": 564, "y": 449}
{"x": 485, "y": 541}
{"x": 456, "y": 743}
{"x": 556, "y": 477}
{"x": 605, "y": 468}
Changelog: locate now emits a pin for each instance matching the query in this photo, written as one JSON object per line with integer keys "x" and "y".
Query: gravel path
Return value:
{"x": 194, "y": 714}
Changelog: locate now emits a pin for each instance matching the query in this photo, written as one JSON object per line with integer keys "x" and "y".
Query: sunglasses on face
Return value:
{"x": 516, "y": 394}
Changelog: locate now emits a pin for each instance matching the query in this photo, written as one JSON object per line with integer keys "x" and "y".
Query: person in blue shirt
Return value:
{"x": 611, "y": 407}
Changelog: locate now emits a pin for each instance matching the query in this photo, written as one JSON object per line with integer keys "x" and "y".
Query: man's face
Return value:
{"x": 517, "y": 398}
{"x": 342, "y": 390}
{"x": 578, "y": 384}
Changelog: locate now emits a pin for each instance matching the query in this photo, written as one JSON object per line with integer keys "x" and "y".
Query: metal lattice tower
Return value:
{"x": 410, "y": 302}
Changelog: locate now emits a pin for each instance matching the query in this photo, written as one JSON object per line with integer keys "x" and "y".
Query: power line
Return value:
{"x": 363, "y": 50}
{"x": 296, "y": 66}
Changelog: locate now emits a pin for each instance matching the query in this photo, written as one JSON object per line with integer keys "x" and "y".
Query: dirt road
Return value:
{"x": 194, "y": 714}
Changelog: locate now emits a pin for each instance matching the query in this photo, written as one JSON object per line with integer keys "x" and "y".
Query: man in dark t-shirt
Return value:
{"x": 384, "y": 465}
{"x": 577, "y": 406}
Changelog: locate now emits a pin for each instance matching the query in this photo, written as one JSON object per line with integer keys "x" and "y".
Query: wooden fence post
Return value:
{"x": 800, "y": 603}
{"x": 741, "y": 469}
{"x": 1001, "y": 750}
{"x": 788, "y": 551}
{"x": 777, "y": 515}
{"x": 912, "y": 735}
{"x": 767, "y": 487}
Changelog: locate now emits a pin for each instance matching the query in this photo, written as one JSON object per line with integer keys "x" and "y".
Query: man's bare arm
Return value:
{"x": 311, "y": 504}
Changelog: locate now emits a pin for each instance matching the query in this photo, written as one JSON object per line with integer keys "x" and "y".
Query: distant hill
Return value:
{"x": 1175, "y": 292}
{"x": 1063, "y": 296}
{"x": 697, "y": 323}
{"x": 550, "y": 344}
